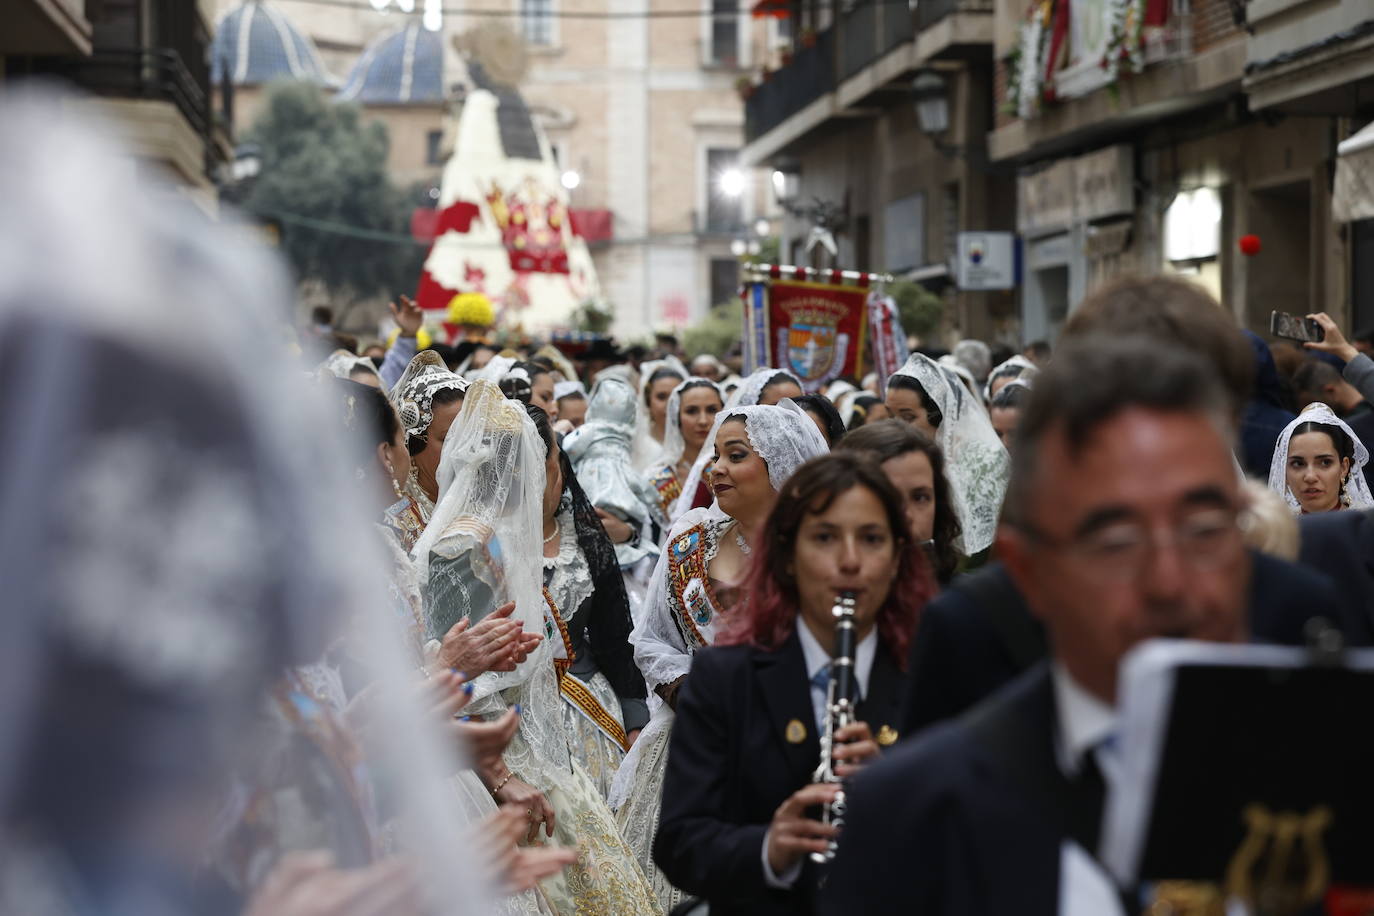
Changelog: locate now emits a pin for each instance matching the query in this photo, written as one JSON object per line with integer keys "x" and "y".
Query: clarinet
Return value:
{"x": 839, "y": 712}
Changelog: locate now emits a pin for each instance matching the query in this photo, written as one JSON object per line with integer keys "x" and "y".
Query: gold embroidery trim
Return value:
{"x": 563, "y": 631}
{"x": 584, "y": 700}
{"x": 683, "y": 573}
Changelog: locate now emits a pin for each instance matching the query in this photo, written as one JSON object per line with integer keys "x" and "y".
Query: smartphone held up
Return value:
{"x": 1295, "y": 327}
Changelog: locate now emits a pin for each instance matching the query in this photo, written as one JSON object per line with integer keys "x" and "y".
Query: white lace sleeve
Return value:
{"x": 660, "y": 651}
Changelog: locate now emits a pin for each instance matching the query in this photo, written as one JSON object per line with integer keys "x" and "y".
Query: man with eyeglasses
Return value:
{"x": 1122, "y": 523}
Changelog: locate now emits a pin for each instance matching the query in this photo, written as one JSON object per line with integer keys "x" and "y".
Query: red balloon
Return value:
{"x": 1249, "y": 245}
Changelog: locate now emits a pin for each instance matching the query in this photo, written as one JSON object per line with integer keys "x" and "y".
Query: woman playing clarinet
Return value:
{"x": 741, "y": 816}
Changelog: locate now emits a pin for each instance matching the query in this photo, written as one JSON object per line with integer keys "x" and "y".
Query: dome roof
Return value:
{"x": 254, "y": 43}
{"x": 401, "y": 67}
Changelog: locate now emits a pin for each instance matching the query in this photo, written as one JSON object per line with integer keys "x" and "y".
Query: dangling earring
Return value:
{"x": 396, "y": 488}
{"x": 1345, "y": 492}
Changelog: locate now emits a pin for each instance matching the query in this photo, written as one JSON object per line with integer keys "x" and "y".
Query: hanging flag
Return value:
{"x": 816, "y": 330}
{"x": 756, "y": 353}
{"x": 887, "y": 340}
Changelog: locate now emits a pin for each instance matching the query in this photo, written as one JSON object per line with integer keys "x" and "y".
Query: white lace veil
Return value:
{"x": 673, "y": 442}
{"x": 1028, "y": 371}
{"x": 341, "y": 364}
{"x": 1356, "y": 487}
{"x": 491, "y": 486}
{"x": 751, "y": 389}
{"x": 179, "y": 527}
{"x": 746, "y": 395}
{"x": 483, "y": 547}
{"x": 648, "y": 451}
{"x": 599, "y": 450}
{"x": 413, "y": 394}
{"x": 975, "y": 461}
{"x": 784, "y": 436}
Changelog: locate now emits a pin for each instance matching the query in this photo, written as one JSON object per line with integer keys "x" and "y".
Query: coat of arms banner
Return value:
{"x": 813, "y": 330}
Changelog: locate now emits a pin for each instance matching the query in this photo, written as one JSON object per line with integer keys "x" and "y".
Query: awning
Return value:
{"x": 1352, "y": 197}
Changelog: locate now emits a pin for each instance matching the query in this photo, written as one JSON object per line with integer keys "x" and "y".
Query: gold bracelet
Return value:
{"x": 502, "y": 784}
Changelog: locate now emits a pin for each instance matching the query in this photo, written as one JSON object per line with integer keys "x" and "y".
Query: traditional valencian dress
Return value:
{"x": 683, "y": 610}
{"x": 603, "y": 693}
{"x": 601, "y": 453}
{"x": 691, "y": 603}
{"x": 663, "y": 475}
{"x": 481, "y": 549}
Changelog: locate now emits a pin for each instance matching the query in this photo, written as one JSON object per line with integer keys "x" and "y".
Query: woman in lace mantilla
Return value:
{"x": 695, "y": 585}
{"x": 934, "y": 400}
{"x": 764, "y": 386}
{"x": 604, "y": 698}
{"x": 372, "y": 417}
{"x": 657, "y": 378}
{"x": 482, "y": 548}
{"x": 428, "y": 397}
{"x": 692, "y": 409}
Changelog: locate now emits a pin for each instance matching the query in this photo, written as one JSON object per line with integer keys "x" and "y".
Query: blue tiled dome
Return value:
{"x": 402, "y": 67}
{"x": 255, "y": 43}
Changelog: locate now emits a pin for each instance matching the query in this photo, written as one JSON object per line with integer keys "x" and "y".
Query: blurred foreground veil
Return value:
{"x": 178, "y": 528}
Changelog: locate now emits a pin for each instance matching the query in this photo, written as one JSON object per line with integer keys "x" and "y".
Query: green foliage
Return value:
{"x": 321, "y": 161}
{"x": 718, "y": 332}
{"x": 593, "y": 316}
{"x": 919, "y": 308}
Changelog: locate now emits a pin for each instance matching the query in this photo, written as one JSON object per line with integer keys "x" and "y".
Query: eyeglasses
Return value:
{"x": 1121, "y": 551}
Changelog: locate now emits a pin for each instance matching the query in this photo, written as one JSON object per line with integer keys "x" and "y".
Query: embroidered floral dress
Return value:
{"x": 592, "y": 712}
{"x": 683, "y": 610}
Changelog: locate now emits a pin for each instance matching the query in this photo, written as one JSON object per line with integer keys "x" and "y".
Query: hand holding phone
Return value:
{"x": 1295, "y": 327}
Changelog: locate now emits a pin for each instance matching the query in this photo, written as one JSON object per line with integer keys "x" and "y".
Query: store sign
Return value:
{"x": 987, "y": 260}
{"x": 1104, "y": 183}
{"x": 1045, "y": 199}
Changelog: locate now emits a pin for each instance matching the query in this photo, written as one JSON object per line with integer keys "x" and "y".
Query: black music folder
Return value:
{"x": 1231, "y": 752}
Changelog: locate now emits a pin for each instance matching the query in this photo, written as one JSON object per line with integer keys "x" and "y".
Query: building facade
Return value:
{"x": 1162, "y": 137}
{"x": 642, "y": 112}
{"x": 143, "y": 66}
{"x": 847, "y": 133}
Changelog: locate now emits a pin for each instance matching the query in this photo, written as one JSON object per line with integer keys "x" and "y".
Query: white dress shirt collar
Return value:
{"x": 1084, "y": 720}
{"x": 817, "y": 658}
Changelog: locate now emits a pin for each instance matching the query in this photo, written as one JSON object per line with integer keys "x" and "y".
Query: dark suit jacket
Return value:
{"x": 978, "y": 635}
{"x": 730, "y": 766}
{"x": 1341, "y": 545}
{"x": 964, "y": 820}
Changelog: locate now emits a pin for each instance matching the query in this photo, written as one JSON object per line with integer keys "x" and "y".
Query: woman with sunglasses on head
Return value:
{"x": 736, "y": 825}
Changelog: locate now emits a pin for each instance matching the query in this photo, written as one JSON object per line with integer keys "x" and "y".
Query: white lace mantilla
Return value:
{"x": 571, "y": 583}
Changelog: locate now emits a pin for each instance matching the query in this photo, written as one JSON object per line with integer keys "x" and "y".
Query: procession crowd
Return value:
{"x": 294, "y": 630}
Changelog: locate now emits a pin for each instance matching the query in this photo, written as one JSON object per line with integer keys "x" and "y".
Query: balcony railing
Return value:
{"x": 810, "y": 75}
{"x": 147, "y": 73}
{"x": 929, "y": 12}
{"x": 869, "y": 30}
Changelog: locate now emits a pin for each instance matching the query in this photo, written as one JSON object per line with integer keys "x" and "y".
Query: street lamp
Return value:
{"x": 732, "y": 182}
{"x": 930, "y": 95}
{"x": 786, "y": 183}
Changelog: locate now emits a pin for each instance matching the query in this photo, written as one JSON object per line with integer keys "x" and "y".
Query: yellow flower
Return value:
{"x": 471, "y": 309}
